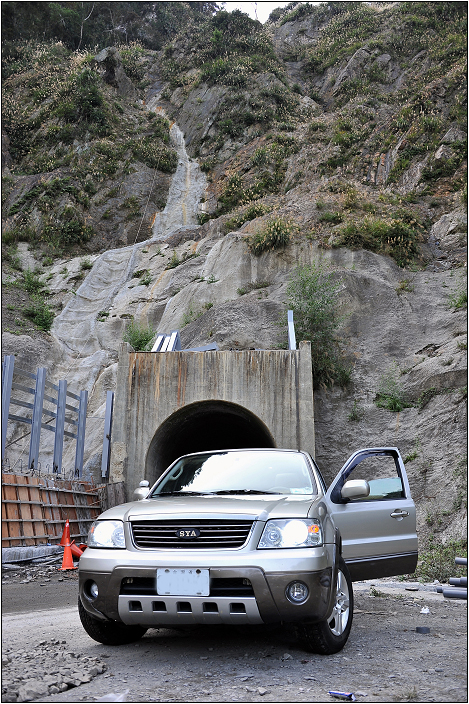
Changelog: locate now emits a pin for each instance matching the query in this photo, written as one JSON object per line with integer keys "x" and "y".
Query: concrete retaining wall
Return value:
{"x": 169, "y": 404}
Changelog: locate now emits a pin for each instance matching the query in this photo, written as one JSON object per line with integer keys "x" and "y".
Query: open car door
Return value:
{"x": 375, "y": 516}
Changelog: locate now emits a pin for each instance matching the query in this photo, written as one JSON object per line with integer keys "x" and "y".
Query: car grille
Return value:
{"x": 212, "y": 534}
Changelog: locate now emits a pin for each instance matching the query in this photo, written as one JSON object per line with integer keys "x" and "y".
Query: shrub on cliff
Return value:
{"x": 312, "y": 294}
{"x": 139, "y": 336}
{"x": 275, "y": 235}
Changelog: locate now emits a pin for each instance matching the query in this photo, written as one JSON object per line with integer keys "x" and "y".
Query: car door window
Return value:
{"x": 382, "y": 476}
{"x": 381, "y": 471}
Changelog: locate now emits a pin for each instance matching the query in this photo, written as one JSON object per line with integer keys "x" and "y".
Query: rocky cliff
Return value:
{"x": 136, "y": 184}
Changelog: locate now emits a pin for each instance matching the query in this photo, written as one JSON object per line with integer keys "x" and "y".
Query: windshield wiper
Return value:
{"x": 244, "y": 491}
{"x": 182, "y": 493}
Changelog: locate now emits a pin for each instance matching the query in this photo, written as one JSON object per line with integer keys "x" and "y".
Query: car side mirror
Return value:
{"x": 141, "y": 491}
{"x": 355, "y": 489}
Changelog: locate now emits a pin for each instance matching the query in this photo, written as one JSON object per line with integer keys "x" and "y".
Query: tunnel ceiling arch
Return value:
{"x": 205, "y": 425}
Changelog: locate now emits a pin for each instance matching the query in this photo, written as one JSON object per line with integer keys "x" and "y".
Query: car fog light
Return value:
{"x": 297, "y": 592}
{"x": 94, "y": 590}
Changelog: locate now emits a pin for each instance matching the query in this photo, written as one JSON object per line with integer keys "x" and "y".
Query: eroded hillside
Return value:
{"x": 334, "y": 134}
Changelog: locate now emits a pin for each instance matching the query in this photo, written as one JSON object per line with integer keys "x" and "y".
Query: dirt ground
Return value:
{"x": 385, "y": 659}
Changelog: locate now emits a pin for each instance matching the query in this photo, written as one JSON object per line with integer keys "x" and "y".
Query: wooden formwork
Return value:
{"x": 34, "y": 509}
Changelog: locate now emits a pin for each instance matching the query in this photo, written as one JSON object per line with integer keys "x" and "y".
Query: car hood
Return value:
{"x": 260, "y": 507}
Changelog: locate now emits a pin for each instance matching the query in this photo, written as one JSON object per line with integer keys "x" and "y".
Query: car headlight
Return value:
{"x": 291, "y": 533}
{"x": 106, "y": 534}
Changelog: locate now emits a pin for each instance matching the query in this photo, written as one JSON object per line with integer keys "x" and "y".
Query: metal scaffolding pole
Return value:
{"x": 59, "y": 426}
{"x": 106, "y": 456}
{"x": 81, "y": 433}
{"x": 7, "y": 380}
{"x": 37, "y": 418}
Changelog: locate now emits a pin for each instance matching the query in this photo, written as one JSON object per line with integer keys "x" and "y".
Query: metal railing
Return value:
{"x": 37, "y": 397}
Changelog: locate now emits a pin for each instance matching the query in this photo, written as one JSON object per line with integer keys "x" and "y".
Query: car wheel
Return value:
{"x": 330, "y": 636}
{"x": 108, "y": 632}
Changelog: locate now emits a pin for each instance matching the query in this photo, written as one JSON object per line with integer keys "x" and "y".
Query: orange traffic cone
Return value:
{"x": 66, "y": 534}
{"x": 67, "y": 562}
{"x": 76, "y": 550}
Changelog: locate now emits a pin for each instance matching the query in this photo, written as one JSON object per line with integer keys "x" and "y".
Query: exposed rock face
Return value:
{"x": 165, "y": 270}
{"x": 448, "y": 236}
{"x": 196, "y": 115}
{"x": 114, "y": 73}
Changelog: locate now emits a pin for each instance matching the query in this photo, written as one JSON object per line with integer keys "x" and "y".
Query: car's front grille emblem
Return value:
{"x": 187, "y": 533}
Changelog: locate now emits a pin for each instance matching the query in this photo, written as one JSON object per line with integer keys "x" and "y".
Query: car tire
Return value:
{"x": 330, "y": 635}
{"x": 108, "y": 632}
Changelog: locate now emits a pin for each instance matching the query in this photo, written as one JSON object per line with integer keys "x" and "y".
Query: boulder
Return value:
{"x": 32, "y": 689}
{"x": 454, "y": 135}
{"x": 450, "y": 231}
{"x": 114, "y": 73}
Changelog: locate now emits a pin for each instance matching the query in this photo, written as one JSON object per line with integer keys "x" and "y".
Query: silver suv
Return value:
{"x": 248, "y": 536}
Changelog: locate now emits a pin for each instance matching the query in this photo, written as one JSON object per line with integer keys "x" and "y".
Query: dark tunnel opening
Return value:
{"x": 206, "y": 425}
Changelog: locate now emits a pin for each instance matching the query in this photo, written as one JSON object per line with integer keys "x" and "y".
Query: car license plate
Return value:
{"x": 190, "y": 581}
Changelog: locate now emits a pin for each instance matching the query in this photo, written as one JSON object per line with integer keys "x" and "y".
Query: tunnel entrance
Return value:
{"x": 205, "y": 425}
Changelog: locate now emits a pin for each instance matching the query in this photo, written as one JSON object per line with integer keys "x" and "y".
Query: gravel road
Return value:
{"x": 385, "y": 659}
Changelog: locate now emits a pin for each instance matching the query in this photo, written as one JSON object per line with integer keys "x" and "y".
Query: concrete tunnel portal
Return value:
{"x": 204, "y": 425}
{"x": 173, "y": 403}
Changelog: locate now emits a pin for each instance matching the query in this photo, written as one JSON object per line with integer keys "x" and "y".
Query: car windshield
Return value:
{"x": 244, "y": 472}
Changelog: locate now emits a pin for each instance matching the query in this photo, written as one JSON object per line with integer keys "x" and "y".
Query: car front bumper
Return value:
{"x": 264, "y": 601}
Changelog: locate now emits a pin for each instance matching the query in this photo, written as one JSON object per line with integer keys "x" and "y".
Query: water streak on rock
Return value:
{"x": 187, "y": 187}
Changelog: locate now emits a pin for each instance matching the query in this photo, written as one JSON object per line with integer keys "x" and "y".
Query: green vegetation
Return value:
{"x": 458, "y": 300}
{"x": 397, "y": 237}
{"x": 256, "y": 210}
{"x": 312, "y": 294}
{"x": 88, "y": 24}
{"x": 252, "y": 286}
{"x": 269, "y": 163}
{"x": 357, "y": 412}
{"x": 174, "y": 261}
{"x": 155, "y": 155}
{"x": 71, "y": 230}
{"x": 139, "y": 336}
{"x": 54, "y": 99}
{"x": 237, "y": 53}
{"x": 331, "y": 218}
{"x": 390, "y": 394}
{"x": 405, "y": 286}
{"x": 190, "y": 316}
{"x": 436, "y": 560}
{"x": 44, "y": 195}
{"x": 349, "y": 28}
{"x": 415, "y": 452}
{"x": 145, "y": 279}
{"x": 81, "y": 102}
{"x": 39, "y": 312}
{"x": 275, "y": 235}
{"x": 10, "y": 255}
{"x": 134, "y": 66}
{"x": 31, "y": 282}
